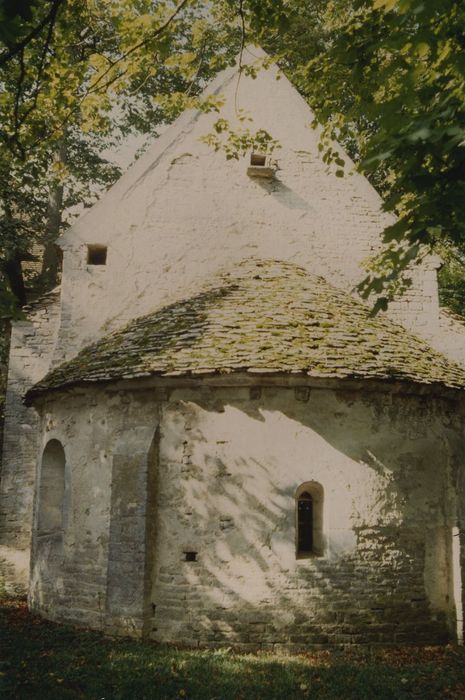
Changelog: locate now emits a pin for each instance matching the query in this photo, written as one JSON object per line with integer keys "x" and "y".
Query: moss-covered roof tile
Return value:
{"x": 263, "y": 316}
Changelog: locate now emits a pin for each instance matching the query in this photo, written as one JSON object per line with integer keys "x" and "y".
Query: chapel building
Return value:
{"x": 208, "y": 437}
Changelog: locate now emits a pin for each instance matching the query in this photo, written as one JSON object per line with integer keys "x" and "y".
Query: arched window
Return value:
{"x": 52, "y": 488}
{"x": 309, "y": 519}
{"x": 305, "y": 523}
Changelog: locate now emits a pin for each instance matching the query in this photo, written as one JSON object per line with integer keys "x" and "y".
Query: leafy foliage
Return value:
{"x": 237, "y": 142}
{"x": 385, "y": 77}
{"x": 452, "y": 280}
{"x": 76, "y": 86}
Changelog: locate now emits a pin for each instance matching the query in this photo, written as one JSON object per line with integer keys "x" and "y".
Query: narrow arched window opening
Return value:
{"x": 52, "y": 489}
{"x": 305, "y": 523}
{"x": 309, "y": 520}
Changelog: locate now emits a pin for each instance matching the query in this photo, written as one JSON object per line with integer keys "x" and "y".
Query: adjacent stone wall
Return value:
{"x": 450, "y": 338}
{"x": 213, "y": 472}
{"x": 32, "y": 346}
{"x": 417, "y": 309}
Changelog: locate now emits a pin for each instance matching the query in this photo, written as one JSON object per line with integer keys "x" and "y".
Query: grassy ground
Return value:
{"x": 43, "y": 660}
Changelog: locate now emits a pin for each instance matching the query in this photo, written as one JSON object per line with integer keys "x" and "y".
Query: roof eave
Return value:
{"x": 249, "y": 378}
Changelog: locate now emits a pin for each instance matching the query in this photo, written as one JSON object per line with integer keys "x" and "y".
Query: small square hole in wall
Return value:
{"x": 190, "y": 556}
{"x": 257, "y": 159}
{"x": 96, "y": 255}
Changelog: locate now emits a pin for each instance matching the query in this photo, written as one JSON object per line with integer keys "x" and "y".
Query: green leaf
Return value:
{"x": 384, "y": 4}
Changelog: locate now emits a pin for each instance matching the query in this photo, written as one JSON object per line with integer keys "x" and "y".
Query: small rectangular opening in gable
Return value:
{"x": 96, "y": 255}
{"x": 257, "y": 159}
{"x": 190, "y": 556}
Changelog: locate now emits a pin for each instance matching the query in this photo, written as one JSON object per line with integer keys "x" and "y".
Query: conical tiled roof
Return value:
{"x": 264, "y": 317}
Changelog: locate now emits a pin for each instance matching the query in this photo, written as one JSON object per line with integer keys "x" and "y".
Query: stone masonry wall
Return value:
{"x": 178, "y": 216}
{"x": 228, "y": 475}
{"x": 96, "y": 577}
{"x": 450, "y": 338}
{"x": 32, "y": 346}
{"x": 215, "y": 472}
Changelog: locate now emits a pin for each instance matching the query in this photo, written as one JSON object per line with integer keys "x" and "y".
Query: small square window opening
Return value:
{"x": 190, "y": 556}
{"x": 261, "y": 166}
{"x": 258, "y": 159}
{"x": 96, "y": 255}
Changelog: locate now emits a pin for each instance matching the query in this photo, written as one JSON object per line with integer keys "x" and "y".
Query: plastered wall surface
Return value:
{"x": 183, "y": 212}
{"x": 450, "y": 338}
{"x": 215, "y": 472}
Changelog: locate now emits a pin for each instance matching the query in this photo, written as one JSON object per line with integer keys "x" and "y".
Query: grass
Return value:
{"x": 44, "y": 660}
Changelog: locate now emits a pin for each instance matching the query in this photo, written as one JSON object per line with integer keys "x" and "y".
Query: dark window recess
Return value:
{"x": 257, "y": 159}
{"x": 305, "y": 523}
{"x": 96, "y": 255}
{"x": 190, "y": 556}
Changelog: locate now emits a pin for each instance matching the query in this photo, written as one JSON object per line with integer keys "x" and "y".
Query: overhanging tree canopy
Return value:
{"x": 385, "y": 77}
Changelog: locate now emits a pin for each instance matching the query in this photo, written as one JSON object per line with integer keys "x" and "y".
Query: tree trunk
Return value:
{"x": 14, "y": 274}
{"x": 51, "y": 260}
{"x": 10, "y": 262}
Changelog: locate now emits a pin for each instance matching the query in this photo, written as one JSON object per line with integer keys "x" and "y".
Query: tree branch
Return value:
{"x": 48, "y": 40}
{"x": 96, "y": 87}
{"x": 137, "y": 46}
{"x": 241, "y": 52}
{"x": 21, "y": 45}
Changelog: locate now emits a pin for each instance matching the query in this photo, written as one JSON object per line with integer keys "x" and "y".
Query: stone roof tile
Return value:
{"x": 265, "y": 316}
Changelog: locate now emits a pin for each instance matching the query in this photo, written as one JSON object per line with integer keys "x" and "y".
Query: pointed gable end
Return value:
{"x": 183, "y": 212}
